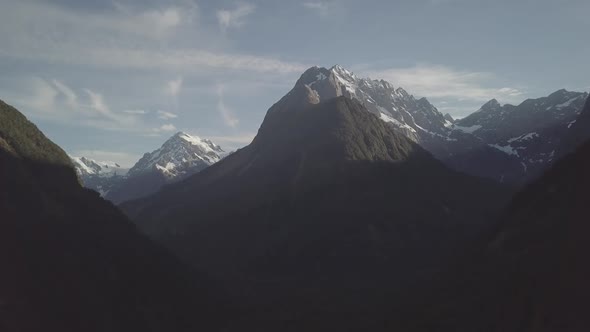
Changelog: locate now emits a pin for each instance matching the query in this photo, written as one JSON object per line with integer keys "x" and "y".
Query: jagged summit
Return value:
{"x": 181, "y": 156}
{"x": 178, "y": 155}
{"x": 86, "y": 167}
{"x": 416, "y": 118}
{"x": 493, "y": 103}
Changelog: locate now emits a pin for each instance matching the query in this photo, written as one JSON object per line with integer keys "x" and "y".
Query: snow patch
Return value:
{"x": 524, "y": 137}
{"x": 567, "y": 103}
{"x": 506, "y": 149}
{"x": 390, "y": 119}
{"x": 468, "y": 130}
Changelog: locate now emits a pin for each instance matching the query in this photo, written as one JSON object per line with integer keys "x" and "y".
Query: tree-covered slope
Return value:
{"x": 71, "y": 260}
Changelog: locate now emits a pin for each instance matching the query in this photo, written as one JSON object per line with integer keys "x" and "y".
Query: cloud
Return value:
{"x": 324, "y": 8}
{"x": 43, "y": 97}
{"x": 55, "y": 101}
{"x": 317, "y": 6}
{"x": 148, "y": 39}
{"x": 166, "y": 115}
{"x": 229, "y": 118}
{"x": 190, "y": 61}
{"x": 122, "y": 158}
{"x": 136, "y": 112}
{"x": 436, "y": 81}
{"x": 70, "y": 95}
{"x": 164, "y": 128}
{"x": 234, "y": 18}
{"x": 173, "y": 87}
{"x": 168, "y": 127}
{"x": 97, "y": 103}
{"x": 510, "y": 92}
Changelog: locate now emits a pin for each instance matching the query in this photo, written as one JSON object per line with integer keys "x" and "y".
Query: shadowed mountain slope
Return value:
{"x": 330, "y": 218}
{"x": 72, "y": 261}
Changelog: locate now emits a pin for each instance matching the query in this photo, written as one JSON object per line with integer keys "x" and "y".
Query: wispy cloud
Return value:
{"x": 136, "y": 112}
{"x": 70, "y": 95}
{"x": 190, "y": 61}
{"x": 126, "y": 39}
{"x": 228, "y": 116}
{"x": 167, "y": 127}
{"x": 436, "y": 81}
{"x": 234, "y": 18}
{"x": 55, "y": 100}
{"x": 42, "y": 97}
{"x": 318, "y": 6}
{"x": 166, "y": 115}
{"x": 173, "y": 87}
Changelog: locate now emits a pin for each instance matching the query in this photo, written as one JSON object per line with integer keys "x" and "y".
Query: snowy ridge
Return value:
{"x": 416, "y": 118}
{"x": 89, "y": 167}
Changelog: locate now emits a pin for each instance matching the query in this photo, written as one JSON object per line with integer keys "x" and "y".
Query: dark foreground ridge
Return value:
{"x": 73, "y": 261}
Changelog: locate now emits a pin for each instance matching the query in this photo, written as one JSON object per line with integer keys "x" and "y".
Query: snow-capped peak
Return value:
{"x": 181, "y": 154}
{"x": 415, "y": 118}
{"x": 343, "y": 72}
{"x": 89, "y": 167}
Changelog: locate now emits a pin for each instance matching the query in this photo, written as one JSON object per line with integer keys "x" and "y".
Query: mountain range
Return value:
{"x": 507, "y": 143}
{"x": 519, "y": 142}
{"x": 356, "y": 207}
{"x": 179, "y": 157}
{"x": 318, "y": 216}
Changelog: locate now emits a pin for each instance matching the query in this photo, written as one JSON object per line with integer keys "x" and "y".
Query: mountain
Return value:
{"x": 86, "y": 167}
{"x": 73, "y": 261}
{"x": 179, "y": 157}
{"x": 579, "y": 133}
{"x": 517, "y": 143}
{"x": 330, "y": 219}
{"x": 418, "y": 119}
{"x": 101, "y": 176}
{"x": 494, "y": 122}
{"x": 542, "y": 247}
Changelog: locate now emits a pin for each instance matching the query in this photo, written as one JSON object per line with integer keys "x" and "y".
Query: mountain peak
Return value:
{"x": 414, "y": 118}
{"x": 491, "y": 104}
{"x": 341, "y": 70}
{"x": 90, "y": 167}
{"x": 178, "y": 154}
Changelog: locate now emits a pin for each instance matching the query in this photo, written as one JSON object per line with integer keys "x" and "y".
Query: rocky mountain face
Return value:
{"x": 579, "y": 133}
{"x": 74, "y": 261}
{"x": 329, "y": 219}
{"x": 507, "y": 143}
{"x": 530, "y": 272}
{"x": 87, "y": 167}
{"x": 418, "y": 119}
{"x": 520, "y": 142}
{"x": 179, "y": 157}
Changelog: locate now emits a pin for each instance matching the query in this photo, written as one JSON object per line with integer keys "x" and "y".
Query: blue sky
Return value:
{"x": 111, "y": 80}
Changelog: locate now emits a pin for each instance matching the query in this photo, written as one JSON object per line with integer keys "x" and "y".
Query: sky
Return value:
{"x": 113, "y": 79}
